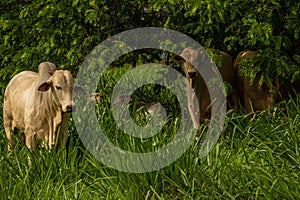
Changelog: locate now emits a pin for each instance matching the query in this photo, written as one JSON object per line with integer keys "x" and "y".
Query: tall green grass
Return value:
{"x": 257, "y": 158}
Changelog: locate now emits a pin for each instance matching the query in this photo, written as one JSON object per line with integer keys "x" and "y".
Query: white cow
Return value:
{"x": 37, "y": 104}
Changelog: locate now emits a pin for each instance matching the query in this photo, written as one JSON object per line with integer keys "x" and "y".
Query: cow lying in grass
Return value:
{"x": 143, "y": 110}
{"x": 39, "y": 104}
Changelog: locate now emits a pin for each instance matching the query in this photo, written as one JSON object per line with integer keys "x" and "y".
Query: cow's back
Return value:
{"x": 22, "y": 81}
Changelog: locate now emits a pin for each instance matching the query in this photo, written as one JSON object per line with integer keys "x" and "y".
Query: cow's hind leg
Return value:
{"x": 10, "y": 139}
{"x": 9, "y": 135}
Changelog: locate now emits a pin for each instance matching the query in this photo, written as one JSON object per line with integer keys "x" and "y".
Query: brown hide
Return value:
{"x": 38, "y": 106}
{"x": 92, "y": 100}
{"x": 95, "y": 97}
{"x": 254, "y": 97}
{"x": 296, "y": 86}
{"x": 151, "y": 108}
{"x": 290, "y": 89}
{"x": 197, "y": 83}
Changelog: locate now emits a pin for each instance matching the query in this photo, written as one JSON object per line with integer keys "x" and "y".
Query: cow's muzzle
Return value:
{"x": 70, "y": 108}
{"x": 192, "y": 74}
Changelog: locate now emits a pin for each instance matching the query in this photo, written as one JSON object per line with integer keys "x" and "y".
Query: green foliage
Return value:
{"x": 270, "y": 27}
{"x": 64, "y": 32}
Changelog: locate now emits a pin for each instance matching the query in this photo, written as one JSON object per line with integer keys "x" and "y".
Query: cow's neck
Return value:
{"x": 50, "y": 105}
{"x": 55, "y": 111}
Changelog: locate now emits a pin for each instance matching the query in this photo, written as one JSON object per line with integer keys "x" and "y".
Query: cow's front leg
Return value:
{"x": 62, "y": 133}
{"x": 30, "y": 139}
{"x": 193, "y": 107}
{"x": 30, "y": 142}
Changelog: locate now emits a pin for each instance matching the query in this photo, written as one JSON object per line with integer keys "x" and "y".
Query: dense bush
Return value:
{"x": 64, "y": 32}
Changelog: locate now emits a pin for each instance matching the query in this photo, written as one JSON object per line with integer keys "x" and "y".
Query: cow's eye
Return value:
{"x": 58, "y": 87}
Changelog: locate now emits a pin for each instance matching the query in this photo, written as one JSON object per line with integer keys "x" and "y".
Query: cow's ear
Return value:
{"x": 79, "y": 90}
{"x": 45, "y": 86}
{"x": 178, "y": 58}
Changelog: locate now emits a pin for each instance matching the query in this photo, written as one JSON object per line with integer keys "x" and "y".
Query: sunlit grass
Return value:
{"x": 258, "y": 157}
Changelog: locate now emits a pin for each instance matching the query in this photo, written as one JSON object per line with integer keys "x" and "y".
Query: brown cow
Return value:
{"x": 36, "y": 104}
{"x": 257, "y": 96}
{"x": 226, "y": 69}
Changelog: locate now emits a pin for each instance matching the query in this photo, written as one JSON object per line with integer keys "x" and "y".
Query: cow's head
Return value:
{"x": 189, "y": 56}
{"x": 61, "y": 83}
